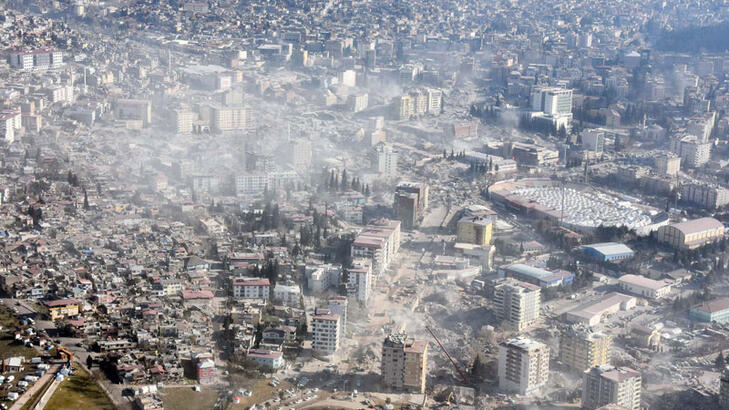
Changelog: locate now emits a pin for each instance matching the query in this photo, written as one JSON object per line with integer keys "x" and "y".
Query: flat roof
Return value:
{"x": 610, "y": 248}
{"x": 599, "y": 307}
{"x": 643, "y": 282}
{"x": 532, "y": 271}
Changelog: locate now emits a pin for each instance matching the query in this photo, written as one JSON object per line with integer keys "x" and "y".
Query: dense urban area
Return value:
{"x": 347, "y": 204}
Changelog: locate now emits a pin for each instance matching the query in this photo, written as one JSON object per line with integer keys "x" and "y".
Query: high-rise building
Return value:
{"x": 338, "y": 306}
{"x": 386, "y": 160}
{"x": 300, "y": 153}
{"x": 227, "y": 118}
{"x": 523, "y": 365}
{"x": 183, "y": 121}
{"x": 580, "y": 348}
{"x": 411, "y": 200}
{"x": 404, "y": 107}
{"x": 606, "y": 384}
{"x": 474, "y": 229}
{"x": 708, "y": 196}
{"x": 692, "y": 151}
{"x": 404, "y": 363}
{"x": 40, "y": 59}
{"x": 517, "y": 303}
{"x": 325, "y": 331}
{"x": 667, "y": 164}
{"x": 551, "y": 100}
{"x": 359, "y": 284}
{"x": 139, "y": 110}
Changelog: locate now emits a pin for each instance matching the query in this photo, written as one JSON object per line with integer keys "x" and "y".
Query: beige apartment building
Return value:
{"x": 607, "y": 384}
{"x": 404, "y": 363}
{"x": 580, "y": 348}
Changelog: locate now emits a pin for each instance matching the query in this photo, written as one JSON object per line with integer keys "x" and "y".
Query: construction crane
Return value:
{"x": 453, "y": 362}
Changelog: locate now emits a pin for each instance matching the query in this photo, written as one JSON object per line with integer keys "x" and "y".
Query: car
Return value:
{"x": 248, "y": 393}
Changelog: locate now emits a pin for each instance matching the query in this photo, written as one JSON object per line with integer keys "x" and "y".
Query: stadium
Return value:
{"x": 574, "y": 206}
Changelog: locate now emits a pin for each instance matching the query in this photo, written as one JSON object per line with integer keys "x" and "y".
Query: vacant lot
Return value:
{"x": 260, "y": 388}
{"x": 185, "y": 398}
{"x": 79, "y": 391}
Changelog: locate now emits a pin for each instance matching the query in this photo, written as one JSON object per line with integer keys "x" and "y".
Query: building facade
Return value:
{"x": 517, "y": 303}
{"x": 404, "y": 363}
{"x": 523, "y": 365}
{"x": 580, "y": 348}
{"x": 603, "y": 385}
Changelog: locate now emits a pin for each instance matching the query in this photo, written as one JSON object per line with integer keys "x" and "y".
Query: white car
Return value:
{"x": 248, "y": 393}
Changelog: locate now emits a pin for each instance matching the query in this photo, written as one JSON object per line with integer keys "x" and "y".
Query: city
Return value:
{"x": 291, "y": 204}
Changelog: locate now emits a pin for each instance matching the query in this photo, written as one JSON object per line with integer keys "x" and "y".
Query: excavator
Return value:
{"x": 63, "y": 353}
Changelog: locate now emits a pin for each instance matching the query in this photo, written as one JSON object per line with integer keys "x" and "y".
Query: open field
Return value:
{"x": 260, "y": 388}
{"x": 185, "y": 398}
{"x": 79, "y": 391}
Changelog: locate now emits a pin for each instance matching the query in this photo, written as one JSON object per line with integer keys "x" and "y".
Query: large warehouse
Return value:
{"x": 537, "y": 276}
{"x": 716, "y": 310}
{"x": 691, "y": 234}
{"x": 608, "y": 251}
{"x": 646, "y": 287}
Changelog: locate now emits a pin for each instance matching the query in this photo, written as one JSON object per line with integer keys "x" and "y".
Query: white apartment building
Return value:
{"x": 289, "y": 295}
{"x": 552, "y": 101}
{"x": 325, "y": 332}
{"x": 523, "y": 365}
{"x": 41, "y": 59}
{"x": 183, "y": 121}
{"x": 227, "y": 118}
{"x": 9, "y": 122}
{"x": 322, "y": 277}
{"x": 251, "y": 288}
{"x": 338, "y": 306}
{"x": 359, "y": 285}
{"x": 386, "y": 160}
{"x": 517, "y": 303}
{"x": 257, "y": 183}
{"x": 692, "y": 151}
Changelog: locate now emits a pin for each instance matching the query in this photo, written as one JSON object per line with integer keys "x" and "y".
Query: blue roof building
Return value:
{"x": 608, "y": 251}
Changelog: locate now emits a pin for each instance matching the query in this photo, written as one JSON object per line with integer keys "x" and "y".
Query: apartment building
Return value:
{"x": 338, "y": 306}
{"x": 137, "y": 110}
{"x": 606, "y": 384}
{"x": 227, "y": 118}
{"x": 41, "y": 59}
{"x": 411, "y": 201}
{"x": 580, "y": 348}
{"x": 667, "y": 164}
{"x": 251, "y": 288}
{"x": 359, "y": 283}
{"x": 474, "y": 229}
{"x": 325, "y": 331}
{"x": 523, "y": 365}
{"x": 693, "y": 152}
{"x": 404, "y": 363}
{"x": 517, "y": 303}
{"x": 183, "y": 121}
{"x": 379, "y": 242}
{"x": 705, "y": 195}
{"x": 386, "y": 160}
